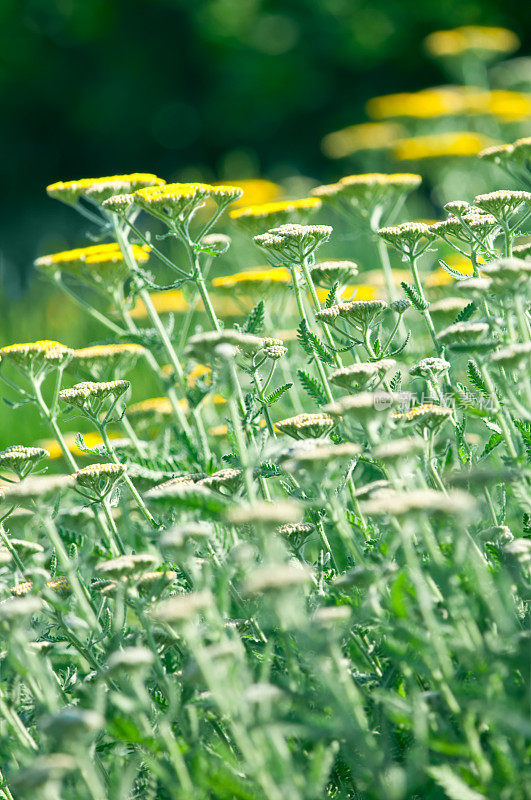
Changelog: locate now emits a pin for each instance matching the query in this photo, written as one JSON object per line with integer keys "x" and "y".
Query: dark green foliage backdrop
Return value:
{"x": 189, "y": 87}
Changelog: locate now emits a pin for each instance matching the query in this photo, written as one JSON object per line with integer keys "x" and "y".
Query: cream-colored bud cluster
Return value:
{"x": 361, "y": 372}
{"x": 86, "y": 391}
{"x": 18, "y": 458}
{"x": 503, "y": 202}
{"x": 304, "y": 426}
{"x": 463, "y": 332}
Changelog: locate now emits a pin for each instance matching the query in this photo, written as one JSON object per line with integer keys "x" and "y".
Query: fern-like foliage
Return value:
{"x": 414, "y": 297}
{"x": 312, "y": 387}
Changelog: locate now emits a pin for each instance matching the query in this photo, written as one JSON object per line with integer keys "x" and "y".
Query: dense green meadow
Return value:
{"x": 265, "y": 504}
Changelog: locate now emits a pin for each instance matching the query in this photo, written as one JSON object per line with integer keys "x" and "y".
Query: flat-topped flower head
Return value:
{"x": 452, "y": 144}
{"x": 32, "y": 355}
{"x": 316, "y": 455}
{"x": 216, "y": 243}
{"x": 152, "y": 407}
{"x": 203, "y": 346}
{"x": 448, "y": 307}
{"x": 101, "y": 265}
{"x": 522, "y": 250}
{"x": 508, "y": 275}
{"x": 296, "y": 533}
{"x": 41, "y": 489}
{"x": 465, "y": 332}
{"x": 187, "y": 493}
{"x": 60, "y": 586}
{"x": 168, "y": 301}
{"x": 99, "y": 479}
{"x": 429, "y": 367}
{"x": 223, "y": 195}
{"x": 275, "y": 351}
{"x": 474, "y": 287}
{"x": 504, "y": 203}
{"x": 104, "y": 359}
{"x": 362, "y": 313}
{"x": 515, "y": 356}
{"x": 356, "y": 138}
{"x": 100, "y": 189}
{"x": 306, "y": 426}
{"x": 182, "y": 608}
{"x": 269, "y": 215}
{"x": 522, "y": 149}
{"x": 361, "y": 374}
{"x": 327, "y": 273}
{"x": 365, "y": 407}
{"x": 397, "y": 450}
{"x": 409, "y": 238}
{"x": 276, "y": 578}
{"x": 329, "y": 314}
{"x": 22, "y": 460}
{"x": 119, "y": 203}
{"x": 173, "y": 202}
{"x": 228, "y": 479}
{"x": 14, "y": 609}
{"x": 400, "y": 503}
{"x": 127, "y": 566}
{"x": 427, "y": 415}
{"x": 90, "y": 394}
{"x": 484, "y": 41}
{"x": 265, "y": 513}
{"x": 468, "y": 227}
{"x": 497, "y": 153}
{"x": 365, "y": 192}
{"x": 291, "y": 242}
{"x": 254, "y": 280}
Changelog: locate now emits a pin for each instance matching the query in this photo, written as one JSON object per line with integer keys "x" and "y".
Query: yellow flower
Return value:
{"x": 101, "y": 264}
{"x": 360, "y": 292}
{"x": 370, "y": 189}
{"x": 181, "y": 200}
{"x": 91, "y": 440}
{"x": 509, "y": 106}
{"x": 459, "y": 143}
{"x": 439, "y": 277}
{"x": 198, "y": 371}
{"x": 156, "y": 406}
{"x": 426, "y": 104}
{"x": 367, "y": 136}
{"x": 471, "y": 37}
{"x": 170, "y": 301}
{"x": 101, "y": 188}
{"x": 249, "y": 279}
{"x": 256, "y": 191}
{"x": 270, "y": 215}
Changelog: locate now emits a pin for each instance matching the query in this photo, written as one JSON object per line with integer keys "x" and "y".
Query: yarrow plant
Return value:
{"x": 299, "y": 568}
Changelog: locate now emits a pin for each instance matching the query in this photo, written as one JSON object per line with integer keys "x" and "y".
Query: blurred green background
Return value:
{"x": 189, "y": 87}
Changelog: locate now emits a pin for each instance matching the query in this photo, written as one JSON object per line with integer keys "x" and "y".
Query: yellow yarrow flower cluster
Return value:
{"x": 366, "y": 191}
{"x": 471, "y": 37}
{"x": 154, "y": 406}
{"x": 270, "y": 215}
{"x": 446, "y": 101}
{"x": 355, "y": 138}
{"x": 102, "y": 264}
{"x": 171, "y": 301}
{"x": 248, "y": 279}
{"x": 255, "y": 191}
{"x": 452, "y": 144}
{"x": 101, "y": 188}
{"x": 180, "y": 200}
